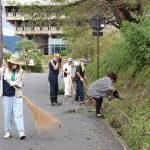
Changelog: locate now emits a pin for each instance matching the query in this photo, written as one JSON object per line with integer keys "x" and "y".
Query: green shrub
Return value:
{"x": 64, "y": 53}
{"x": 38, "y": 67}
{"x": 137, "y": 41}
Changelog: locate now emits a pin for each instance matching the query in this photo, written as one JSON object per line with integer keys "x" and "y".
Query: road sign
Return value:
{"x": 97, "y": 33}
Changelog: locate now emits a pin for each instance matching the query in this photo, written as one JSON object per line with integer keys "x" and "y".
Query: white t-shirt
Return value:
{"x": 68, "y": 68}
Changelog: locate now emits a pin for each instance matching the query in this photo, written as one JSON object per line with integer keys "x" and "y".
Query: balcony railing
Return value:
{"x": 19, "y": 16}
{"x": 14, "y": 16}
{"x": 38, "y": 30}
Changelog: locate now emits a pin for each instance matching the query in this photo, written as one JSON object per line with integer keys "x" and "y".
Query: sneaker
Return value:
{"x": 98, "y": 115}
{"x": 7, "y": 135}
{"x": 82, "y": 102}
{"x": 56, "y": 104}
{"x": 76, "y": 102}
{"x": 22, "y": 135}
{"x": 67, "y": 96}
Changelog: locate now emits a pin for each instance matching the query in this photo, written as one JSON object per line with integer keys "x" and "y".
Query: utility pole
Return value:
{"x": 1, "y": 35}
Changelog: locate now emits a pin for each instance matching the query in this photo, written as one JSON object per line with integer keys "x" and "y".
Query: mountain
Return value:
{"x": 10, "y": 41}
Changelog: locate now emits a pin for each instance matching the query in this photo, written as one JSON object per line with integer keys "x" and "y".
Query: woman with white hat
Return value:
{"x": 67, "y": 69}
{"x": 12, "y": 75}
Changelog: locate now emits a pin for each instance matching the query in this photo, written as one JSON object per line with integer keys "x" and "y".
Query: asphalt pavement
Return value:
{"x": 80, "y": 130}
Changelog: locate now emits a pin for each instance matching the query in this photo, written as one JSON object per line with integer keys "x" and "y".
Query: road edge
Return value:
{"x": 116, "y": 135}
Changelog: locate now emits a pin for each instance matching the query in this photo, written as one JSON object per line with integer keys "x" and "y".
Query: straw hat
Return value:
{"x": 15, "y": 59}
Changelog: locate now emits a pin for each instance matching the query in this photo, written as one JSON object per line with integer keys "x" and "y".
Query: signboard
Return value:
{"x": 97, "y": 33}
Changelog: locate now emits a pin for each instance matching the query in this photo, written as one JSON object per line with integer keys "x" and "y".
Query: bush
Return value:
{"x": 38, "y": 67}
{"x": 137, "y": 41}
{"x": 64, "y": 53}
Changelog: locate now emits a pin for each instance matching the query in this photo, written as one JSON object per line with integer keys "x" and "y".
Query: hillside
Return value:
{"x": 10, "y": 41}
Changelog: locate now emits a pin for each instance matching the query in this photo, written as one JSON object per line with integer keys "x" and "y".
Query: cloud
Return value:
{"x": 8, "y": 31}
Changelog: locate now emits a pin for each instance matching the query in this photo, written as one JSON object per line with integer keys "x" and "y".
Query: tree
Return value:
{"x": 115, "y": 11}
{"x": 5, "y": 46}
{"x": 75, "y": 16}
{"x": 28, "y": 48}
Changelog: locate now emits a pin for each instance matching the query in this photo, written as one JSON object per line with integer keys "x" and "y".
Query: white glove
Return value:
{"x": 81, "y": 79}
{"x": 12, "y": 83}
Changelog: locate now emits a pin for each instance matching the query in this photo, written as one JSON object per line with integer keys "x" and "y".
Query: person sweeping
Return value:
{"x": 12, "y": 75}
{"x": 12, "y": 78}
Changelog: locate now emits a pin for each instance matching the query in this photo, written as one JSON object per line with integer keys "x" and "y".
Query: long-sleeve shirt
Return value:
{"x": 100, "y": 87}
{"x": 18, "y": 79}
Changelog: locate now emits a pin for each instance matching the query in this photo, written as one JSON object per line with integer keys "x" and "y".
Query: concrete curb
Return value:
{"x": 116, "y": 135}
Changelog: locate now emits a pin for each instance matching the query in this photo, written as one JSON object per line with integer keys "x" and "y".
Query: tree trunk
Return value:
{"x": 1, "y": 36}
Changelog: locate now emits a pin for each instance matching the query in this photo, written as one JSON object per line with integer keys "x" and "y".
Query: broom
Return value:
{"x": 44, "y": 121}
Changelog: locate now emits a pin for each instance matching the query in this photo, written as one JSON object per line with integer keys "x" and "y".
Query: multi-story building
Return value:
{"x": 48, "y": 38}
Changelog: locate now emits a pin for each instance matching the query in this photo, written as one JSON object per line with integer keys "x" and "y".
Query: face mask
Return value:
{"x": 14, "y": 66}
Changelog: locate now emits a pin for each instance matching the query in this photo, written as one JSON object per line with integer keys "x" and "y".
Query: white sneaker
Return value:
{"x": 7, "y": 135}
{"x": 22, "y": 135}
{"x": 98, "y": 115}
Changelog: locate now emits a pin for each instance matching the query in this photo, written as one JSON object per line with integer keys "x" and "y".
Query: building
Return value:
{"x": 48, "y": 38}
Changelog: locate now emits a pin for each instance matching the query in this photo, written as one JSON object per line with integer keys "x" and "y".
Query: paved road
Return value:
{"x": 79, "y": 131}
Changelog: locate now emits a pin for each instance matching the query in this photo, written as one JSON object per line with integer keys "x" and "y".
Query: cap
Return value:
{"x": 84, "y": 60}
{"x": 70, "y": 59}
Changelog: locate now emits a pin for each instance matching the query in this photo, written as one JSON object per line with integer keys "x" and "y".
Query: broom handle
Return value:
{"x": 18, "y": 91}
{"x": 14, "y": 87}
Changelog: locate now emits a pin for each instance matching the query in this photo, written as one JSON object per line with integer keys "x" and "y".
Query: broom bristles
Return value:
{"x": 44, "y": 121}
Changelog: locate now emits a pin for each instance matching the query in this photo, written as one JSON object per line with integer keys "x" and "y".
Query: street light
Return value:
{"x": 97, "y": 24}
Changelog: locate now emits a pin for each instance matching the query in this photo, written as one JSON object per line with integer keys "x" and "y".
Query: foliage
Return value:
{"x": 5, "y": 46}
{"x": 114, "y": 11}
{"x": 137, "y": 38}
{"x": 29, "y": 50}
{"x": 64, "y": 52}
{"x": 6, "y": 56}
{"x": 132, "y": 50}
{"x": 38, "y": 66}
{"x": 26, "y": 44}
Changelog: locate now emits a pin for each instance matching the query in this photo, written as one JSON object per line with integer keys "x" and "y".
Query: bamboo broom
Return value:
{"x": 44, "y": 121}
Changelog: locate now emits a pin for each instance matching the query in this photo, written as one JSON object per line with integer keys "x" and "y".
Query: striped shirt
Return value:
{"x": 100, "y": 87}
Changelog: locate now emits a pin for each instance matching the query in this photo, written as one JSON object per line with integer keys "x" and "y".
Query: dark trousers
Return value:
{"x": 53, "y": 85}
{"x": 79, "y": 90}
{"x": 99, "y": 102}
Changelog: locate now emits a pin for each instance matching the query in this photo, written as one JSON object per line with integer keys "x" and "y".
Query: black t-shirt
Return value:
{"x": 79, "y": 69}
